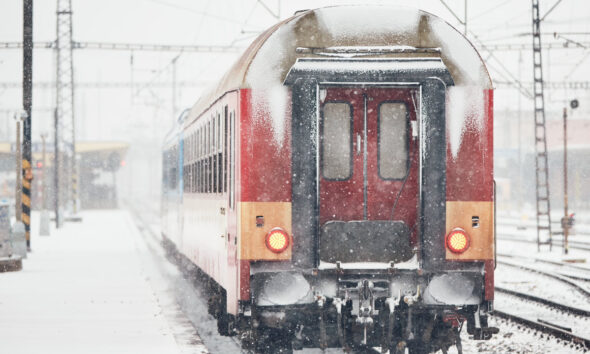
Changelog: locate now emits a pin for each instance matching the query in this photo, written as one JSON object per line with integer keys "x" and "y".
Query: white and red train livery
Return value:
{"x": 336, "y": 186}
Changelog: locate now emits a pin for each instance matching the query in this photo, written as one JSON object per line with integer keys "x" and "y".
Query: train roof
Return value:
{"x": 367, "y": 31}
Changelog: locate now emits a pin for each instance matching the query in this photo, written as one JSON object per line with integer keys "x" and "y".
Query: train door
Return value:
{"x": 368, "y": 171}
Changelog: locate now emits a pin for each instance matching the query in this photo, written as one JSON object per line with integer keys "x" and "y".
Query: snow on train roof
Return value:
{"x": 407, "y": 32}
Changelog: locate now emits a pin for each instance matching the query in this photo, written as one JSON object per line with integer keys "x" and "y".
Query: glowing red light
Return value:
{"x": 277, "y": 240}
{"x": 458, "y": 241}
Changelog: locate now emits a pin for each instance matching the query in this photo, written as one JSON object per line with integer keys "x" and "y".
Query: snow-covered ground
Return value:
{"x": 91, "y": 287}
{"x": 104, "y": 286}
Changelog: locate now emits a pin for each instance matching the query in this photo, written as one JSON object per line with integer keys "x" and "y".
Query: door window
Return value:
{"x": 337, "y": 141}
{"x": 393, "y": 140}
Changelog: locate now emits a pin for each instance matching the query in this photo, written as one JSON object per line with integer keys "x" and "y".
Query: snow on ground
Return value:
{"x": 101, "y": 286}
{"x": 514, "y": 338}
{"x": 87, "y": 288}
{"x": 539, "y": 285}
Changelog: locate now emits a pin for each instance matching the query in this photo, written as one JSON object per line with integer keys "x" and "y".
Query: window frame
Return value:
{"x": 351, "y": 142}
{"x": 407, "y": 131}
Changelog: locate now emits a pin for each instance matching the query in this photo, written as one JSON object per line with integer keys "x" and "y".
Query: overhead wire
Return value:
{"x": 202, "y": 13}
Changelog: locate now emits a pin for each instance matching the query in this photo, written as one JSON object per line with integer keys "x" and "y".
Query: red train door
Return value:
{"x": 368, "y": 155}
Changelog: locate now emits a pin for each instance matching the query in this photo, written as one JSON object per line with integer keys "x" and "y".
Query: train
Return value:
{"x": 335, "y": 188}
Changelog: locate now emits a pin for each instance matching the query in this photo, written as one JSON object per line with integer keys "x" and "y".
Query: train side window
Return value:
{"x": 195, "y": 177}
{"x": 214, "y": 153}
{"x": 230, "y": 156}
{"x": 189, "y": 148}
{"x": 393, "y": 140}
{"x": 232, "y": 161}
{"x": 192, "y": 154}
{"x": 337, "y": 141}
{"x": 172, "y": 178}
{"x": 199, "y": 139}
{"x": 183, "y": 177}
{"x": 186, "y": 183}
{"x": 225, "y": 152}
{"x": 208, "y": 164}
{"x": 214, "y": 172}
{"x": 190, "y": 178}
{"x": 219, "y": 156}
{"x": 204, "y": 152}
{"x": 201, "y": 159}
{"x": 213, "y": 130}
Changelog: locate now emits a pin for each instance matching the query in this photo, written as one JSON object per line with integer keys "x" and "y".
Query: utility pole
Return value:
{"x": 44, "y": 224}
{"x": 565, "y": 224}
{"x": 66, "y": 144}
{"x": 567, "y": 221}
{"x": 27, "y": 170}
{"x": 56, "y": 169}
{"x": 520, "y": 184}
{"x": 465, "y": 32}
{"x": 541, "y": 164}
{"x": 18, "y": 206}
{"x": 174, "y": 85}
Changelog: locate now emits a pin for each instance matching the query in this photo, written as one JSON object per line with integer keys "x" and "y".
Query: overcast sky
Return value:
{"x": 146, "y": 109}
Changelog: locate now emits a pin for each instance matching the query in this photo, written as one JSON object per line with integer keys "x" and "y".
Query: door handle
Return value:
{"x": 358, "y": 144}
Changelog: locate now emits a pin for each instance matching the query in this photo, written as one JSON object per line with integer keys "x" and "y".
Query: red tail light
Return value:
{"x": 277, "y": 240}
{"x": 458, "y": 241}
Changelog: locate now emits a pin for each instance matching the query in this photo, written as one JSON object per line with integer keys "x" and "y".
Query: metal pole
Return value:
{"x": 465, "y": 18}
{"x": 174, "y": 86}
{"x": 44, "y": 222}
{"x": 56, "y": 167}
{"x": 18, "y": 194}
{"x": 565, "y": 212}
{"x": 43, "y": 169}
{"x": 27, "y": 170}
{"x": 520, "y": 184}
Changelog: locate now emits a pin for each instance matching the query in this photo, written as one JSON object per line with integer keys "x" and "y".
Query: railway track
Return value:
{"x": 555, "y": 318}
{"x": 547, "y": 328}
{"x": 577, "y": 245}
{"x": 581, "y": 288}
{"x": 553, "y": 304}
{"x": 580, "y": 229}
{"x": 569, "y": 270}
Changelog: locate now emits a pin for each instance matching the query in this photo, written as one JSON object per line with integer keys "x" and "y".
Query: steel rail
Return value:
{"x": 569, "y": 309}
{"x": 563, "y": 265}
{"x": 561, "y": 278}
{"x": 545, "y": 328}
{"x": 583, "y": 246}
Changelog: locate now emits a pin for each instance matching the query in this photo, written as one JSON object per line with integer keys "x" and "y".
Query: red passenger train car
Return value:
{"x": 336, "y": 186}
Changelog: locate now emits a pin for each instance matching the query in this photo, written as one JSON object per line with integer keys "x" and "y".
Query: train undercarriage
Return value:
{"x": 362, "y": 315}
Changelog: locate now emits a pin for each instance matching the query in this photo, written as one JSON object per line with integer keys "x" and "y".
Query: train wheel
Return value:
{"x": 419, "y": 348}
{"x": 273, "y": 341}
{"x": 224, "y": 325}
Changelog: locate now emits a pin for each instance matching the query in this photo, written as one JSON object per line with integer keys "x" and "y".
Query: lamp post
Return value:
{"x": 44, "y": 224}
{"x": 18, "y": 210}
{"x": 565, "y": 223}
{"x": 565, "y": 217}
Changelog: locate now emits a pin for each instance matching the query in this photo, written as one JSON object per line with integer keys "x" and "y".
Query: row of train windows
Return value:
{"x": 208, "y": 156}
